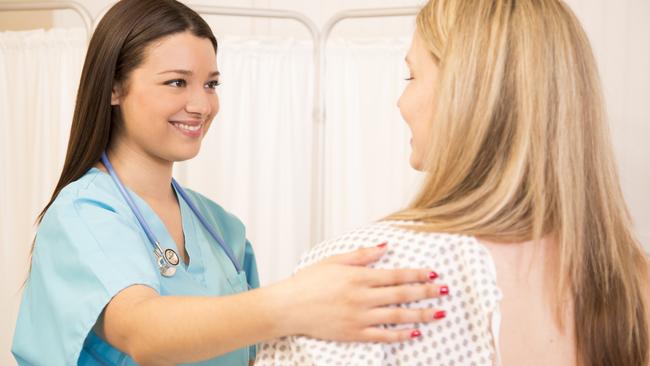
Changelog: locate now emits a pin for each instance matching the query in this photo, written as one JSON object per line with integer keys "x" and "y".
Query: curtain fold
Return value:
{"x": 256, "y": 159}
{"x": 367, "y": 172}
{"x": 39, "y": 73}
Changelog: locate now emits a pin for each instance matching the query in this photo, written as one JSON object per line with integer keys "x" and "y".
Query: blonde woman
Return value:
{"x": 522, "y": 209}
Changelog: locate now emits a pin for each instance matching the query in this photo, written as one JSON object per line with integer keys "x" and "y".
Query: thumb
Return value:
{"x": 359, "y": 257}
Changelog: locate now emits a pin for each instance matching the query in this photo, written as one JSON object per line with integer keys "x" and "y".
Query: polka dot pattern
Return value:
{"x": 463, "y": 337}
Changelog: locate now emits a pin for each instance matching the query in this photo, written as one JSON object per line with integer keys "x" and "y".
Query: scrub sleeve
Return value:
{"x": 87, "y": 250}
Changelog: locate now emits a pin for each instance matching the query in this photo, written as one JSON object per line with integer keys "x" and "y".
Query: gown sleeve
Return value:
{"x": 86, "y": 251}
{"x": 253, "y": 279}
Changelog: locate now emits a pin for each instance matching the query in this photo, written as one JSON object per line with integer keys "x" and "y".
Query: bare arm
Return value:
{"x": 334, "y": 299}
{"x": 165, "y": 330}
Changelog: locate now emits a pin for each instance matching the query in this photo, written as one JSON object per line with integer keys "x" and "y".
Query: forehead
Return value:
{"x": 416, "y": 45}
{"x": 418, "y": 53}
{"x": 180, "y": 50}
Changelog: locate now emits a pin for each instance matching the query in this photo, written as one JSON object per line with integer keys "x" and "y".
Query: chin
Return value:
{"x": 185, "y": 153}
{"x": 415, "y": 163}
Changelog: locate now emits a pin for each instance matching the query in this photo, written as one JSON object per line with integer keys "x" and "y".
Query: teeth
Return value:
{"x": 188, "y": 127}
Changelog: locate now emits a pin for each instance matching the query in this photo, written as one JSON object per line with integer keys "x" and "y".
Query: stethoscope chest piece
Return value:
{"x": 172, "y": 257}
{"x": 167, "y": 271}
{"x": 167, "y": 262}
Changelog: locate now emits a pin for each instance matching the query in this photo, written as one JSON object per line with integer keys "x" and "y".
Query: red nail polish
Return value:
{"x": 439, "y": 315}
{"x": 382, "y": 245}
{"x": 444, "y": 290}
{"x": 415, "y": 334}
{"x": 433, "y": 275}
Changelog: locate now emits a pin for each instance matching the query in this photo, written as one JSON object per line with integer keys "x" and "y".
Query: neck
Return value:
{"x": 148, "y": 176}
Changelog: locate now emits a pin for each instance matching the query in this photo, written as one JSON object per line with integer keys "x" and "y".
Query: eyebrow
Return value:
{"x": 188, "y": 72}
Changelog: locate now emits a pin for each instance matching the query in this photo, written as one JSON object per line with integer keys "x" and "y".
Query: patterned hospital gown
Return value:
{"x": 467, "y": 336}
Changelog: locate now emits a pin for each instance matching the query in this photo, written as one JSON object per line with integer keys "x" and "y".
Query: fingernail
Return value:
{"x": 433, "y": 275}
{"x": 415, "y": 334}
{"x": 444, "y": 290}
{"x": 382, "y": 245}
{"x": 439, "y": 315}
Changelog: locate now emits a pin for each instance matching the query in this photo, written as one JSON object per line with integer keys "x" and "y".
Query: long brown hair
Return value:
{"x": 116, "y": 48}
{"x": 520, "y": 150}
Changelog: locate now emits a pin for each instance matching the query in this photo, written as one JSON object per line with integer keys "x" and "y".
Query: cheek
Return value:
{"x": 416, "y": 107}
{"x": 132, "y": 110}
{"x": 162, "y": 106}
{"x": 146, "y": 103}
{"x": 214, "y": 108}
{"x": 421, "y": 132}
{"x": 423, "y": 124}
{"x": 214, "y": 105}
{"x": 146, "y": 113}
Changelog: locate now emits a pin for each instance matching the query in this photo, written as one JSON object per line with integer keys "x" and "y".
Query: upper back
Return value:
{"x": 530, "y": 332}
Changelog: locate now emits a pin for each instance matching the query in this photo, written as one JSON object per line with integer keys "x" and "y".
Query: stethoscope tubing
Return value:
{"x": 207, "y": 226}
{"x": 150, "y": 235}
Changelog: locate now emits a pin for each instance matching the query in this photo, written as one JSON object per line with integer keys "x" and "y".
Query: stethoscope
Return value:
{"x": 168, "y": 259}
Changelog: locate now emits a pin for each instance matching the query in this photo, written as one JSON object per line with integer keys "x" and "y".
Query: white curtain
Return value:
{"x": 256, "y": 159}
{"x": 39, "y": 74}
{"x": 367, "y": 174}
{"x": 619, "y": 32}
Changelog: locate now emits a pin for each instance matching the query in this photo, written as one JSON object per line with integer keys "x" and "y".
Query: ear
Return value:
{"x": 116, "y": 94}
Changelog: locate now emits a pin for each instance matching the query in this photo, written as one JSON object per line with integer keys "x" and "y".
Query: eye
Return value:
{"x": 213, "y": 84}
{"x": 177, "y": 83}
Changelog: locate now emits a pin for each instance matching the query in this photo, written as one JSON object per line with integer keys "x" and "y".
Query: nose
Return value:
{"x": 199, "y": 103}
{"x": 401, "y": 107}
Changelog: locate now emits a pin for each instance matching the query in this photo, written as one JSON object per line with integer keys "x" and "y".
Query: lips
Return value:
{"x": 188, "y": 128}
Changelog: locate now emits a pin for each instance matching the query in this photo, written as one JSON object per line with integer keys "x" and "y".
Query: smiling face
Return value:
{"x": 416, "y": 103}
{"x": 168, "y": 102}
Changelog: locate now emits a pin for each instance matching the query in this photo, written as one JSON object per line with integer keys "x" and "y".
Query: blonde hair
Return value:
{"x": 520, "y": 149}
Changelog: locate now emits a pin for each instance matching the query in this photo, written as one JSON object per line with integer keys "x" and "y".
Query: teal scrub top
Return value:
{"x": 90, "y": 246}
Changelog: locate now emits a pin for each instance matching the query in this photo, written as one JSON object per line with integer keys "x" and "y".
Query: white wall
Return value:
{"x": 620, "y": 35}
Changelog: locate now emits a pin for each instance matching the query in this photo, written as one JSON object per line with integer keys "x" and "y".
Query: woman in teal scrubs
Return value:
{"x": 96, "y": 294}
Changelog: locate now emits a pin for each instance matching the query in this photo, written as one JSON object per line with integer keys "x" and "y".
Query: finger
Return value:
{"x": 374, "y": 334}
{"x": 392, "y": 277}
{"x": 359, "y": 257}
{"x": 382, "y": 296}
{"x": 398, "y": 315}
